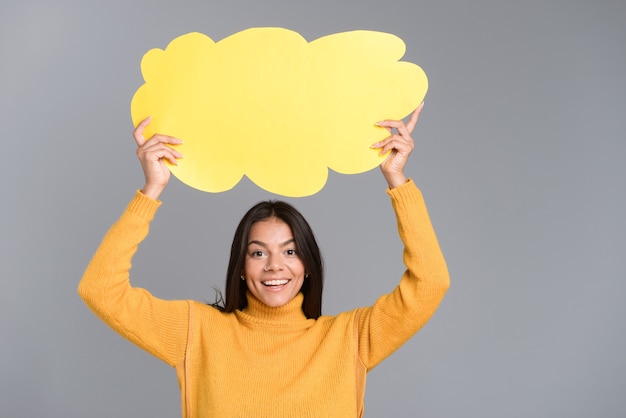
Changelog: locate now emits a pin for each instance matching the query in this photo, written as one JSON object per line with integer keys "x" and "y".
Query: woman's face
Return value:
{"x": 274, "y": 272}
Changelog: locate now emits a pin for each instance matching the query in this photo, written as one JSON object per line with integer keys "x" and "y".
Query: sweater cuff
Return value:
{"x": 408, "y": 193}
{"x": 143, "y": 206}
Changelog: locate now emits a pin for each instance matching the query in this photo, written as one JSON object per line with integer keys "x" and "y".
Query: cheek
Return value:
{"x": 297, "y": 267}
{"x": 250, "y": 266}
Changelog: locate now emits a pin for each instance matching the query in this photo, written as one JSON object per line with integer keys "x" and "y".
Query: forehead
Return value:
{"x": 270, "y": 230}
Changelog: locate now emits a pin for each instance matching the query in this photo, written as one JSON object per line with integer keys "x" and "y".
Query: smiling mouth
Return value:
{"x": 270, "y": 283}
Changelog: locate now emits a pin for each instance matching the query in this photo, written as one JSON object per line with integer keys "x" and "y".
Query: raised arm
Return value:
{"x": 395, "y": 317}
{"x": 157, "y": 326}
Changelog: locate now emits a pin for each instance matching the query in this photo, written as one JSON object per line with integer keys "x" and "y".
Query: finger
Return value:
{"x": 164, "y": 153}
{"x": 398, "y": 124}
{"x": 381, "y": 143}
{"x": 162, "y": 139}
{"x": 138, "y": 132}
{"x": 402, "y": 128}
{"x": 396, "y": 142}
{"x": 404, "y": 131}
{"x": 172, "y": 157}
{"x": 386, "y": 141}
{"x": 150, "y": 149}
{"x": 410, "y": 125}
{"x": 394, "y": 149}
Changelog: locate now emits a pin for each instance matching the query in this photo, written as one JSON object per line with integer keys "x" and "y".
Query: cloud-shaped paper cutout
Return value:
{"x": 267, "y": 104}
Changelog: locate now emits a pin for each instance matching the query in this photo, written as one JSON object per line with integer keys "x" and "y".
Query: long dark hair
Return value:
{"x": 307, "y": 248}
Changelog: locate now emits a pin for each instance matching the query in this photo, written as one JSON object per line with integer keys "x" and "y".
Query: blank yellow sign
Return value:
{"x": 267, "y": 104}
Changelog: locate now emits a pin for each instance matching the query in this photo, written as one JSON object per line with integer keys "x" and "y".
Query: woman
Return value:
{"x": 268, "y": 352}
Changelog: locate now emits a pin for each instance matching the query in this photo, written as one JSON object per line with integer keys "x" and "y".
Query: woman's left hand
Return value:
{"x": 400, "y": 144}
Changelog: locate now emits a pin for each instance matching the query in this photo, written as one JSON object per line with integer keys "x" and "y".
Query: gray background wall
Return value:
{"x": 520, "y": 154}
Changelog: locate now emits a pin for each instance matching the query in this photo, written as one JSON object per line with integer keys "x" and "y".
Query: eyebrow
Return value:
{"x": 262, "y": 244}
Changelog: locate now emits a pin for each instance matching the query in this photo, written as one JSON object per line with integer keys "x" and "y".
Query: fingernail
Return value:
{"x": 379, "y": 123}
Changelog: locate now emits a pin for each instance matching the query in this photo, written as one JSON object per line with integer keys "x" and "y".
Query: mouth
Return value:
{"x": 275, "y": 283}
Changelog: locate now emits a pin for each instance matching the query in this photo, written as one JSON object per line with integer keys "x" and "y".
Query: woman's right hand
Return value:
{"x": 152, "y": 154}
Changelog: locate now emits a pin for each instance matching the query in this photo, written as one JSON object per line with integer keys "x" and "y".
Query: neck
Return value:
{"x": 289, "y": 314}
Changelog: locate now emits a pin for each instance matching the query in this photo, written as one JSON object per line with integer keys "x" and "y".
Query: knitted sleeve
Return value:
{"x": 157, "y": 326}
{"x": 395, "y": 317}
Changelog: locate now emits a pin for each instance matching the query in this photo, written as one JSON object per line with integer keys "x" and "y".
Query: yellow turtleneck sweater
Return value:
{"x": 267, "y": 362}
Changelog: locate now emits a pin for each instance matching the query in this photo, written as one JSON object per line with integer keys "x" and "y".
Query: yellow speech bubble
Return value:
{"x": 267, "y": 104}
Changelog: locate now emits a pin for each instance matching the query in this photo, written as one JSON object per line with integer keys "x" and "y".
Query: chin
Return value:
{"x": 276, "y": 301}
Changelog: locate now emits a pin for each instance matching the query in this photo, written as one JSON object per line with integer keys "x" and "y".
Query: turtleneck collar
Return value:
{"x": 289, "y": 315}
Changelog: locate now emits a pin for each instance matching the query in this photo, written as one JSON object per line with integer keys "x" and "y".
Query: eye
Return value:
{"x": 291, "y": 252}
{"x": 256, "y": 254}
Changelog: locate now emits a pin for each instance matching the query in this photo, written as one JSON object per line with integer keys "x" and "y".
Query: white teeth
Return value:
{"x": 275, "y": 282}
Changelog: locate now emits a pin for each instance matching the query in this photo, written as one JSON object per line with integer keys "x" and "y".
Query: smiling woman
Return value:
{"x": 274, "y": 273}
{"x": 274, "y": 242}
{"x": 269, "y": 337}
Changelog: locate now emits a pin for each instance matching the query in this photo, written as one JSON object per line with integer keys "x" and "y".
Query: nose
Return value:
{"x": 274, "y": 263}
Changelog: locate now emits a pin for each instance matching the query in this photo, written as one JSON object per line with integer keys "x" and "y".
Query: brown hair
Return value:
{"x": 307, "y": 248}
